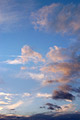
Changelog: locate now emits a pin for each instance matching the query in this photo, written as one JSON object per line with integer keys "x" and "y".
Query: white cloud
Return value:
{"x": 16, "y": 61}
{"x": 43, "y": 95}
{"x": 27, "y": 54}
{"x": 36, "y": 76}
{"x": 26, "y": 95}
{"x": 3, "y": 103}
{"x": 6, "y": 94}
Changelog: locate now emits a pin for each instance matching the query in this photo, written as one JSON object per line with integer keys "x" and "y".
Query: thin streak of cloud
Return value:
{"x": 43, "y": 95}
{"x": 15, "y": 105}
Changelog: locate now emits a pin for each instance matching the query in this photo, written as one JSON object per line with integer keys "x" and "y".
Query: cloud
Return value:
{"x": 53, "y": 107}
{"x": 63, "y": 72}
{"x": 48, "y": 82}
{"x": 3, "y": 103}
{"x": 29, "y": 68}
{"x": 15, "y": 105}
{"x": 67, "y": 108}
{"x": 57, "y": 54}
{"x": 58, "y": 17}
{"x": 61, "y": 95}
{"x": 26, "y": 95}
{"x": 6, "y": 94}
{"x": 44, "y": 116}
{"x": 23, "y": 68}
{"x": 69, "y": 88}
{"x": 27, "y": 54}
{"x": 36, "y": 76}
{"x": 16, "y": 61}
{"x": 30, "y": 75}
{"x": 43, "y": 95}
{"x": 63, "y": 63}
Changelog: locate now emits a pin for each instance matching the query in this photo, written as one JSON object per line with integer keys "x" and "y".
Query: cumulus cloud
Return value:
{"x": 58, "y": 17}
{"x": 64, "y": 63}
{"x": 27, "y": 54}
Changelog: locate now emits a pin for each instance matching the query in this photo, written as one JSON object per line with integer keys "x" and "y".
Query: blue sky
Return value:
{"x": 39, "y": 56}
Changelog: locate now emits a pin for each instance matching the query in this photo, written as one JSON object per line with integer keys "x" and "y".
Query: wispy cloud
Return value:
{"x": 30, "y": 75}
{"x": 15, "y": 105}
{"x": 58, "y": 17}
{"x": 8, "y": 17}
{"x": 13, "y": 13}
{"x": 36, "y": 76}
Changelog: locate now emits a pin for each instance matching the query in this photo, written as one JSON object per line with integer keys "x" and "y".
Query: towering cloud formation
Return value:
{"x": 64, "y": 63}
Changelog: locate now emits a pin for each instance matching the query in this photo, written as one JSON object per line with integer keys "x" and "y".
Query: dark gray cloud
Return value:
{"x": 44, "y": 116}
{"x": 52, "y": 106}
{"x": 62, "y": 95}
{"x": 42, "y": 106}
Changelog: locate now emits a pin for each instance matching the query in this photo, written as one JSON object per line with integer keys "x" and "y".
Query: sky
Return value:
{"x": 39, "y": 56}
